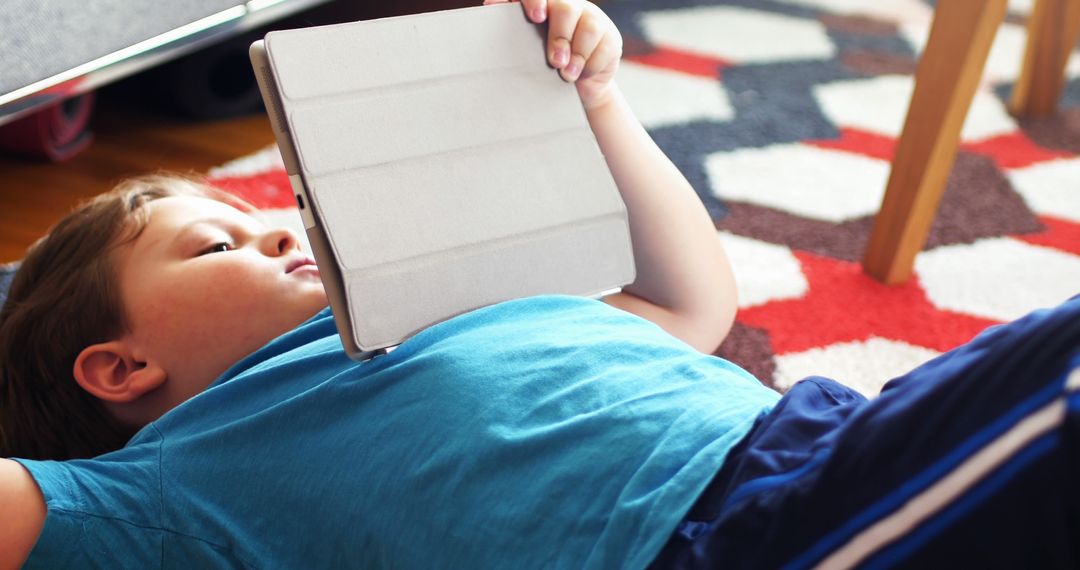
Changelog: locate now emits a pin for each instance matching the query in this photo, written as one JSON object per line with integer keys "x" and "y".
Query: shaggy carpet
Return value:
{"x": 783, "y": 114}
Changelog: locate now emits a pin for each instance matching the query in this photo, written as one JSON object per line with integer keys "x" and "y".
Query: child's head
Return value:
{"x": 134, "y": 303}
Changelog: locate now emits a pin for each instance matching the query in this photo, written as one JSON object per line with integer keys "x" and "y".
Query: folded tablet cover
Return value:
{"x": 445, "y": 165}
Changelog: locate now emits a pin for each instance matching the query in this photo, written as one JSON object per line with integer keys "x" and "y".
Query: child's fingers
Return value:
{"x": 536, "y": 10}
{"x": 563, "y": 17}
{"x": 589, "y": 32}
{"x": 606, "y": 54}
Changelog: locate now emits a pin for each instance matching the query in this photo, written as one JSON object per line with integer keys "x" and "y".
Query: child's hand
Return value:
{"x": 582, "y": 43}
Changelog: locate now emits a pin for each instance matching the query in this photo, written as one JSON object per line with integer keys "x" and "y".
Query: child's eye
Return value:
{"x": 217, "y": 248}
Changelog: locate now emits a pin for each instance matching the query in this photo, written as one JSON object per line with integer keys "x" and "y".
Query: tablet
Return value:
{"x": 439, "y": 166}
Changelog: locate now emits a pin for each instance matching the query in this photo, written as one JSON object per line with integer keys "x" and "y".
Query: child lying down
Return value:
{"x": 175, "y": 393}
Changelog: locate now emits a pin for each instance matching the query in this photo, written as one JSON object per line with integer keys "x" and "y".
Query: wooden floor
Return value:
{"x": 133, "y": 140}
{"x": 35, "y": 195}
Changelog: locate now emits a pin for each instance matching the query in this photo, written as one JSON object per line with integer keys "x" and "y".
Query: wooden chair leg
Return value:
{"x": 948, "y": 74}
{"x": 1053, "y": 29}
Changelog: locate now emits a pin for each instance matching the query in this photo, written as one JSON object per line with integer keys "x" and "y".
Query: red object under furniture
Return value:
{"x": 55, "y": 133}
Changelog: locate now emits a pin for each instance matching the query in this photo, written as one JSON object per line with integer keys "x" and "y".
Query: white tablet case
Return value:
{"x": 440, "y": 166}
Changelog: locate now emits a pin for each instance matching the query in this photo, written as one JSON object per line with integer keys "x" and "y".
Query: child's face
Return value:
{"x": 205, "y": 284}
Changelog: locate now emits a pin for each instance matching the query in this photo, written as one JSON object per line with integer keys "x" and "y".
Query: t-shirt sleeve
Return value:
{"x": 97, "y": 517}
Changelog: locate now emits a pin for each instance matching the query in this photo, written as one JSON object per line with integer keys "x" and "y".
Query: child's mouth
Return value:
{"x": 301, "y": 263}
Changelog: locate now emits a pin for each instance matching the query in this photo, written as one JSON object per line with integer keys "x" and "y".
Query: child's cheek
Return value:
{"x": 227, "y": 281}
{"x": 183, "y": 297}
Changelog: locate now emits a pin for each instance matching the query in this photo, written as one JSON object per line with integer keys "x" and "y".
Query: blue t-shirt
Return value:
{"x": 550, "y": 432}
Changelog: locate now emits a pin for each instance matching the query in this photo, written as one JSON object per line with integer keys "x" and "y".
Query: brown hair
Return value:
{"x": 64, "y": 298}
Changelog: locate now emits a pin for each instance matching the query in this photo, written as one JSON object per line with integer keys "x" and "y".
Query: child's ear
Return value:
{"x": 111, "y": 373}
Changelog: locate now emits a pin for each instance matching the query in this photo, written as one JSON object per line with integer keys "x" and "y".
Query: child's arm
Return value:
{"x": 684, "y": 281}
{"x": 24, "y": 514}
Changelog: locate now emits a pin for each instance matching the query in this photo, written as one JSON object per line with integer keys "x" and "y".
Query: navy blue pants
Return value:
{"x": 970, "y": 461}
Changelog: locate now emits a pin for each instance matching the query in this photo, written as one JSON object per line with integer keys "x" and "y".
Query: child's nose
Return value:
{"x": 280, "y": 241}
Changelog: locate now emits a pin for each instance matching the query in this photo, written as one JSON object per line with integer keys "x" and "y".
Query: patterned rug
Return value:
{"x": 784, "y": 114}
